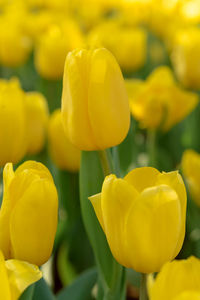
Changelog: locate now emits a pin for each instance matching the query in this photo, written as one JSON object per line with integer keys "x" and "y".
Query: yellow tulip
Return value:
{"x": 191, "y": 171}
{"x": 28, "y": 215}
{"x": 177, "y": 280}
{"x": 112, "y": 34}
{"x": 95, "y": 108}
{"x": 159, "y": 102}
{"x": 63, "y": 153}
{"x": 15, "y": 46}
{"x": 37, "y": 119}
{"x": 134, "y": 213}
{"x": 50, "y": 60}
{"x": 12, "y": 122}
{"x": 186, "y": 57}
{"x": 15, "y": 277}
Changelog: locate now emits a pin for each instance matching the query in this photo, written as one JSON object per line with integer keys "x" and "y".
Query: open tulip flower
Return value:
{"x": 28, "y": 215}
{"x": 158, "y": 102}
{"x": 177, "y": 280}
{"x": 143, "y": 217}
{"x": 15, "y": 277}
{"x": 95, "y": 108}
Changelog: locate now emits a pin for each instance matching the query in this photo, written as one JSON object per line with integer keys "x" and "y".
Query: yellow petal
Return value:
{"x": 5, "y": 287}
{"x": 142, "y": 178}
{"x": 151, "y": 237}
{"x": 188, "y": 295}
{"x": 175, "y": 181}
{"x": 117, "y": 198}
{"x": 108, "y": 105}
{"x": 21, "y": 274}
{"x": 96, "y": 202}
{"x": 175, "y": 278}
{"x": 36, "y": 213}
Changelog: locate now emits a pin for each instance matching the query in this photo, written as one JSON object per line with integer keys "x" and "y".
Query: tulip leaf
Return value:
{"x": 91, "y": 179}
{"x": 28, "y": 293}
{"x": 81, "y": 288}
{"x": 42, "y": 291}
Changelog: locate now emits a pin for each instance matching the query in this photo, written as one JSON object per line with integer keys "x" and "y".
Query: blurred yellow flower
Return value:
{"x": 63, "y": 153}
{"x": 28, "y": 215}
{"x": 159, "y": 102}
{"x": 12, "y": 122}
{"x": 53, "y": 46}
{"x": 15, "y": 277}
{"x": 37, "y": 119}
{"x": 95, "y": 108}
{"x": 186, "y": 57}
{"x": 191, "y": 171}
{"x": 127, "y": 44}
{"x": 177, "y": 280}
{"x": 143, "y": 217}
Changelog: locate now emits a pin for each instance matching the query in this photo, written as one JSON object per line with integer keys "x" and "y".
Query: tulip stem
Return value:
{"x": 106, "y": 162}
{"x": 151, "y": 144}
{"x": 143, "y": 287}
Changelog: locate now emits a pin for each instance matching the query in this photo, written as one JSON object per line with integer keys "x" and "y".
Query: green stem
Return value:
{"x": 106, "y": 162}
{"x": 143, "y": 288}
{"x": 151, "y": 144}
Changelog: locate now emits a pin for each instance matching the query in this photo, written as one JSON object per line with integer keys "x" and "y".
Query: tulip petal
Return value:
{"x": 175, "y": 181}
{"x": 142, "y": 178}
{"x": 96, "y": 202}
{"x": 151, "y": 237}
{"x": 36, "y": 213}
{"x": 108, "y": 105}
{"x": 5, "y": 287}
{"x": 117, "y": 198}
{"x": 21, "y": 274}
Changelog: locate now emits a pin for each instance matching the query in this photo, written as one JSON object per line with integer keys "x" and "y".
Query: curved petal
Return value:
{"x": 5, "y": 287}
{"x": 150, "y": 236}
{"x": 36, "y": 213}
{"x": 21, "y": 274}
{"x": 96, "y": 202}
{"x": 142, "y": 178}
{"x": 175, "y": 181}
{"x": 117, "y": 198}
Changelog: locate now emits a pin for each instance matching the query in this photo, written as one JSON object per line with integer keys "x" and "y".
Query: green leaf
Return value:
{"x": 28, "y": 293}
{"x": 42, "y": 291}
{"x": 81, "y": 288}
{"x": 91, "y": 179}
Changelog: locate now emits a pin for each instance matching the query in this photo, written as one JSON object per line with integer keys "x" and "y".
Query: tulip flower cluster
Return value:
{"x": 99, "y": 149}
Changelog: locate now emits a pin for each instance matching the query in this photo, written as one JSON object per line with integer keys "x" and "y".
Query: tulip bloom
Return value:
{"x": 15, "y": 277}
{"x": 159, "y": 102}
{"x": 177, "y": 280}
{"x": 143, "y": 217}
{"x": 95, "y": 108}
{"x": 12, "y": 122}
{"x": 37, "y": 119}
{"x": 63, "y": 153}
{"x": 28, "y": 215}
{"x": 191, "y": 171}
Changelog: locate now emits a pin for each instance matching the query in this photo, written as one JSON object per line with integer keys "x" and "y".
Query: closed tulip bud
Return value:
{"x": 186, "y": 57}
{"x": 191, "y": 171}
{"x": 15, "y": 277}
{"x": 37, "y": 119}
{"x": 95, "y": 108}
{"x": 28, "y": 215}
{"x": 134, "y": 213}
{"x": 177, "y": 280}
{"x": 12, "y": 122}
{"x": 158, "y": 102}
{"x": 63, "y": 153}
